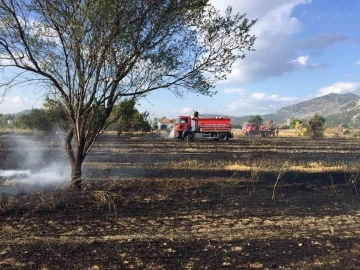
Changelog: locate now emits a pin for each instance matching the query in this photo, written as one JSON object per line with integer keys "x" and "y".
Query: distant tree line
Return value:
{"x": 124, "y": 118}
{"x": 5, "y": 118}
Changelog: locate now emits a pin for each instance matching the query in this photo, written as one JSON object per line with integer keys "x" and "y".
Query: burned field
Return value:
{"x": 150, "y": 203}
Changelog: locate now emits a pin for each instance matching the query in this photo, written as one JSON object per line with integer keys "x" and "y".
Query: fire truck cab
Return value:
{"x": 188, "y": 128}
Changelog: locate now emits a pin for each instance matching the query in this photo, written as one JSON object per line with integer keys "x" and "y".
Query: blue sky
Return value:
{"x": 304, "y": 49}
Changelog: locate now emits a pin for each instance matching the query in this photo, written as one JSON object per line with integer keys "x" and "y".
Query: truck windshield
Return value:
{"x": 181, "y": 121}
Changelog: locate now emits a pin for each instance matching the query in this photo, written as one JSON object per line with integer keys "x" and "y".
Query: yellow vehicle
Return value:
{"x": 299, "y": 129}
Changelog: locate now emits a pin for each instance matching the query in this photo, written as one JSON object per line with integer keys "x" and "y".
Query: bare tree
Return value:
{"x": 90, "y": 54}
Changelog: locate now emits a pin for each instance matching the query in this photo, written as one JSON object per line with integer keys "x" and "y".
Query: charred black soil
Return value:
{"x": 150, "y": 203}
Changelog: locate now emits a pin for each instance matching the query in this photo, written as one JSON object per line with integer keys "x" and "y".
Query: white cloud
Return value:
{"x": 258, "y": 103}
{"x": 19, "y": 101}
{"x": 186, "y": 111}
{"x": 265, "y": 97}
{"x": 358, "y": 63}
{"x": 275, "y": 45}
{"x": 260, "y": 8}
{"x": 318, "y": 42}
{"x": 340, "y": 88}
{"x": 302, "y": 60}
{"x": 14, "y": 104}
{"x": 234, "y": 91}
{"x": 255, "y": 103}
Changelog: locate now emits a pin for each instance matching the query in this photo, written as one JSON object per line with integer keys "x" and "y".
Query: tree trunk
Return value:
{"x": 75, "y": 160}
{"x": 76, "y": 175}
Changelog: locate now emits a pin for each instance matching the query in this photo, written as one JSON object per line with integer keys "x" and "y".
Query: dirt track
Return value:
{"x": 154, "y": 204}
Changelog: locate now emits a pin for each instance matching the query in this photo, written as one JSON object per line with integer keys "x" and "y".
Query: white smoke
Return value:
{"x": 13, "y": 173}
{"x": 53, "y": 174}
{"x": 39, "y": 166}
{"x": 168, "y": 134}
{"x": 171, "y": 134}
{"x": 51, "y": 177}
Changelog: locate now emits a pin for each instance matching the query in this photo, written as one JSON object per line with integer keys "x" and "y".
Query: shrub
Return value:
{"x": 255, "y": 119}
{"x": 316, "y": 126}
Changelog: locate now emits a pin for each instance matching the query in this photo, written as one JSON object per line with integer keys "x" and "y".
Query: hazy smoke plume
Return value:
{"x": 171, "y": 134}
{"x": 13, "y": 173}
{"x": 38, "y": 165}
{"x": 53, "y": 173}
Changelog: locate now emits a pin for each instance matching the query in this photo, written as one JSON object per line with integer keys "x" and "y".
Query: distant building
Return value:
{"x": 169, "y": 123}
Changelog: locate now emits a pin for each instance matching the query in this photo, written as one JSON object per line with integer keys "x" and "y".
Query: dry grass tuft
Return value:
{"x": 6, "y": 204}
{"x": 274, "y": 166}
{"x": 237, "y": 167}
{"x": 107, "y": 195}
{"x": 190, "y": 149}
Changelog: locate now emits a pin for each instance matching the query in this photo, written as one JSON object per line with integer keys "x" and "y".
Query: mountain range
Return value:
{"x": 336, "y": 108}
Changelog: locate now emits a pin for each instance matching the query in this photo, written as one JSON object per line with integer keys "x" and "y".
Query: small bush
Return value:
{"x": 316, "y": 126}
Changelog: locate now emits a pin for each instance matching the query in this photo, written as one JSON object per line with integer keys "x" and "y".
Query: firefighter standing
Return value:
{"x": 277, "y": 131}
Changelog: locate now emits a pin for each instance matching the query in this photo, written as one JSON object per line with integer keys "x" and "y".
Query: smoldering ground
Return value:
{"x": 170, "y": 135}
{"x": 33, "y": 163}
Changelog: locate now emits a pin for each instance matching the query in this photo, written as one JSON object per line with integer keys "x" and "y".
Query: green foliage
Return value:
{"x": 255, "y": 119}
{"x": 52, "y": 117}
{"x": 56, "y": 112}
{"x": 293, "y": 122}
{"x": 37, "y": 119}
{"x": 316, "y": 126}
{"x": 126, "y": 118}
{"x": 4, "y": 118}
{"x": 139, "y": 122}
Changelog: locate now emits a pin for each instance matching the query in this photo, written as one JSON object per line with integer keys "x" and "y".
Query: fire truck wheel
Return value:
{"x": 188, "y": 137}
{"x": 223, "y": 137}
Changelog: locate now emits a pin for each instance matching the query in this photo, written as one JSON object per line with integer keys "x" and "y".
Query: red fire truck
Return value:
{"x": 267, "y": 130}
{"x": 217, "y": 128}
